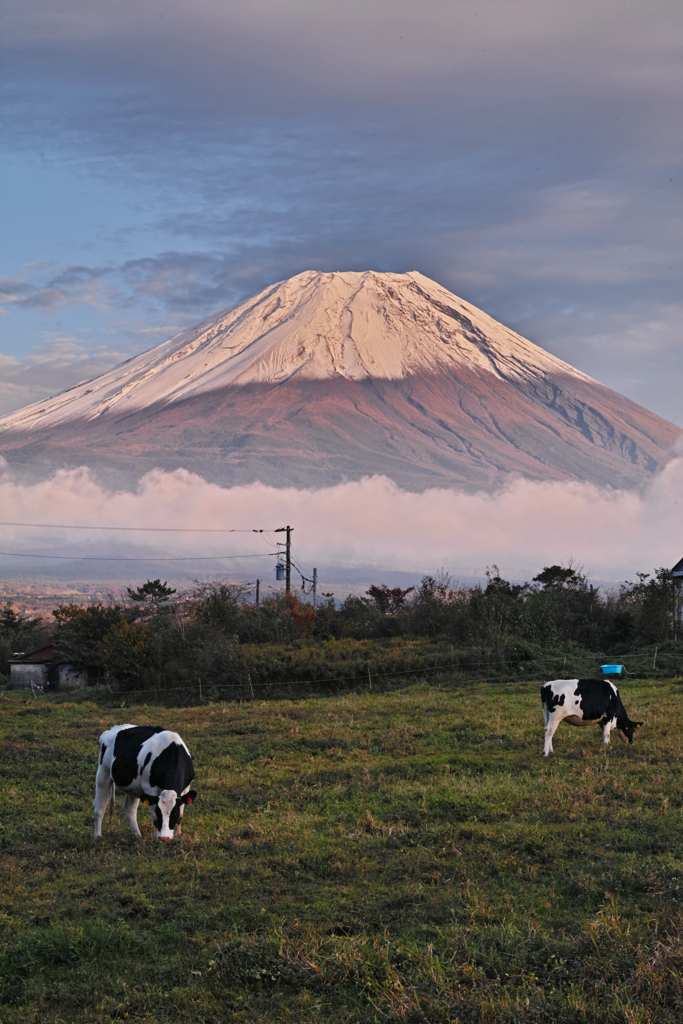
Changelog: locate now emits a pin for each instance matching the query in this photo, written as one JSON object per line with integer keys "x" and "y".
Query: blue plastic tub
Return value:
{"x": 612, "y": 669}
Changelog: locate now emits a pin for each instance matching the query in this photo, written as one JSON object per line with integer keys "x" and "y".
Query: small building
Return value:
{"x": 43, "y": 669}
{"x": 677, "y": 573}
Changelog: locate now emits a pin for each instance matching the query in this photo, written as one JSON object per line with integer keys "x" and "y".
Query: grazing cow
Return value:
{"x": 584, "y": 702}
{"x": 150, "y": 764}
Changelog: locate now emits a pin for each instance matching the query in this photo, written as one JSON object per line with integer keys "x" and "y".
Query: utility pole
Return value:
{"x": 288, "y": 560}
{"x": 258, "y": 585}
{"x": 315, "y": 588}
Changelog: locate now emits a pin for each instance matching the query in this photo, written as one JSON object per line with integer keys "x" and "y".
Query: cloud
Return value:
{"x": 60, "y": 363}
{"x": 166, "y": 283}
{"x": 579, "y": 239}
{"x": 311, "y": 52}
{"x": 82, "y": 286}
{"x": 372, "y": 522}
{"x": 181, "y": 281}
{"x": 189, "y": 96}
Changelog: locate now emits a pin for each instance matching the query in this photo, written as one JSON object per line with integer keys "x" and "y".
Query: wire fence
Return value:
{"x": 364, "y": 677}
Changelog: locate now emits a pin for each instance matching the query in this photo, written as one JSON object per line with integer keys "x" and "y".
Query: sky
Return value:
{"x": 167, "y": 158}
{"x": 164, "y": 159}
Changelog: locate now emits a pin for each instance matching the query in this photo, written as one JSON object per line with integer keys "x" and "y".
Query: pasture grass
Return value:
{"x": 398, "y": 857}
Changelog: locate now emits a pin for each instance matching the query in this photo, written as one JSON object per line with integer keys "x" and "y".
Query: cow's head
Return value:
{"x": 627, "y": 729}
{"x": 166, "y": 810}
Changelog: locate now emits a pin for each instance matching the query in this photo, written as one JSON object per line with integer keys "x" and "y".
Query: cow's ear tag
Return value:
{"x": 145, "y": 803}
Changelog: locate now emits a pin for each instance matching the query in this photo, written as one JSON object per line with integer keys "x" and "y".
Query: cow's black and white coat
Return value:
{"x": 584, "y": 702}
{"x": 150, "y": 764}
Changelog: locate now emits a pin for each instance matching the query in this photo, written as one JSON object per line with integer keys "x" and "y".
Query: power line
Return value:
{"x": 151, "y": 558}
{"x": 149, "y": 529}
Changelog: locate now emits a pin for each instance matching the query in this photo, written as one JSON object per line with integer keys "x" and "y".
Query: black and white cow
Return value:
{"x": 584, "y": 702}
{"x": 150, "y": 764}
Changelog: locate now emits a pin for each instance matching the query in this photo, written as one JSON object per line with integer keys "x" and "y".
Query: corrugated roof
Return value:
{"x": 34, "y": 657}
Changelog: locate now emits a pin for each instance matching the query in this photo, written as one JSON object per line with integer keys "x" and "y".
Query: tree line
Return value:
{"x": 153, "y": 636}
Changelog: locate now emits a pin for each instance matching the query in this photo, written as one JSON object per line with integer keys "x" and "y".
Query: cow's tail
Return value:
{"x": 111, "y": 799}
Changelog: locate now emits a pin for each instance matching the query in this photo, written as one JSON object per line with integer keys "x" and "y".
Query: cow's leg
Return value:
{"x": 105, "y": 792}
{"x": 550, "y": 728}
{"x": 179, "y": 827}
{"x": 606, "y": 730}
{"x": 130, "y": 809}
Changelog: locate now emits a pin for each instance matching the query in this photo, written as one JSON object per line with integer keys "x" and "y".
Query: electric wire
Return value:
{"x": 114, "y": 558}
{"x": 304, "y": 579}
{"x": 148, "y": 529}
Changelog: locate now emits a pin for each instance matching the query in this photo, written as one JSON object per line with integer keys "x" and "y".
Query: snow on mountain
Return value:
{"x": 331, "y": 377}
{"x": 314, "y": 326}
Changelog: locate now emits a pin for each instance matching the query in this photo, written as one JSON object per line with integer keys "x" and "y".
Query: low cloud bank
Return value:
{"x": 371, "y": 522}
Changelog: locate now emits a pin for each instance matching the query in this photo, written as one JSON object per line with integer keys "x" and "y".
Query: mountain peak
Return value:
{"x": 315, "y": 326}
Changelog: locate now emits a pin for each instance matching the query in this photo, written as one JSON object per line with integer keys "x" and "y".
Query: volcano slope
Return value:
{"x": 331, "y": 377}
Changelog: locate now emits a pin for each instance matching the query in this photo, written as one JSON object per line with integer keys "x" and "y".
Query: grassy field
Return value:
{"x": 407, "y": 856}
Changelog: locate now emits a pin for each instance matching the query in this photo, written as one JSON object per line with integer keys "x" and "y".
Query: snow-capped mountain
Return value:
{"x": 315, "y": 327}
{"x": 330, "y": 376}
